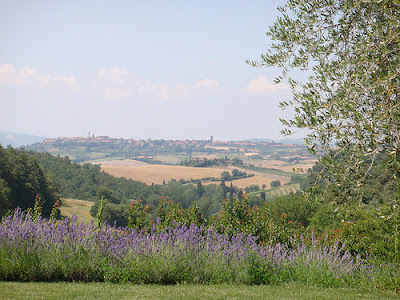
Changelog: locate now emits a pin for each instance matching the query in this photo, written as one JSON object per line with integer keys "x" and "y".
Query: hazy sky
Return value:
{"x": 138, "y": 69}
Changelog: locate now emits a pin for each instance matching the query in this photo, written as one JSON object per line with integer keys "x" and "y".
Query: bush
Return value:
{"x": 275, "y": 183}
{"x": 374, "y": 232}
{"x": 326, "y": 217}
{"x": 298, "y": 209}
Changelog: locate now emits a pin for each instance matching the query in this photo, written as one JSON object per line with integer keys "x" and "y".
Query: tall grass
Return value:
{"x": 35, "y": 249}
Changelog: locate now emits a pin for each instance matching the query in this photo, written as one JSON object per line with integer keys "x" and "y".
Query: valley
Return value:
{"x": 161, "y": 161}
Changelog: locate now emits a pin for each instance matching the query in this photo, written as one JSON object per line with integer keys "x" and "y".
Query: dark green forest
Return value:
{"x": 21, "y": 180}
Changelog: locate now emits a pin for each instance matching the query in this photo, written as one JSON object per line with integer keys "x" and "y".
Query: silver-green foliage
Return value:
{"x": 350, "y": 102}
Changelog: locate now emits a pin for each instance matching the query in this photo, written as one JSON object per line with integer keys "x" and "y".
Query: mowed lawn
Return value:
{"x": 158, "y": 173}
{"x": 63, "y": 290}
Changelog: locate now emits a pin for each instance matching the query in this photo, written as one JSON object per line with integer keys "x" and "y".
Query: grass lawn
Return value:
{"x": 62, "y": 290}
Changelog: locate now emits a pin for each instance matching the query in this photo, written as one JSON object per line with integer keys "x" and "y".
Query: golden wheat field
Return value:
{"x": 158, "y": 173}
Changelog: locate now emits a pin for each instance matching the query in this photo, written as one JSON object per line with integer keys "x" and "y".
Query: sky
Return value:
{"x": 139, "y": 69}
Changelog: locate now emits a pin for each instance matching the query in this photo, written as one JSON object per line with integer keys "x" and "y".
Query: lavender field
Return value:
{"x": 36, "y": 249}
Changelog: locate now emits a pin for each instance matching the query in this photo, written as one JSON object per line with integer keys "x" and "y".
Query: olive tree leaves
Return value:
{"x": 350, "y": 102}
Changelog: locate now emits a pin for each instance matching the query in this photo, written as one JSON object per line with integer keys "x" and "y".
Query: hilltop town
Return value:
{"x": 93, "y": 147}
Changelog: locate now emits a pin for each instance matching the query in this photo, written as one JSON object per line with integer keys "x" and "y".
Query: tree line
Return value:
{"x": 22, "y": 180}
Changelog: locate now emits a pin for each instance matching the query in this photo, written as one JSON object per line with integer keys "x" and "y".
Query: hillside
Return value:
{"x": 157, "y": 161}
{"x": 151, "y": 175}
{"x": 88, "y": 182}
{"x": 78, "y": 208}
{"x": 19, "y": 139}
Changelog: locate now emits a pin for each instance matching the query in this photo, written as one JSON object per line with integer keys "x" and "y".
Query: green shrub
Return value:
{"x": 298, "y": 209}
{"x": 374, "y": 232}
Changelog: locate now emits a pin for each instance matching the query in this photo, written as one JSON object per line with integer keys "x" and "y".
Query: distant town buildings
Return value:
{"x": 91, "y": 138}
{"x": 85, "y": 148}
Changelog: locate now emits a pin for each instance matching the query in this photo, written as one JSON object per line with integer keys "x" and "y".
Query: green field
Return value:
{"x": 75, "y": 207}
{"x": 280, "y": 191}
{"x": 171, "y": 159}
{"x": 101, "y": 159}
{"x": 283, "y": 190}
{"x": 62, "y": 290}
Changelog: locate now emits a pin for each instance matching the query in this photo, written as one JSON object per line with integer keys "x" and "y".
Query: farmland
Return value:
{"x": 160, "y": 161}
{"x": 158, "y": 174}
{"x": 258, "y": 180}
{"x": 122, "y": 163}
{"x": 75, "y": 207}
{"x": 287, "y": 167}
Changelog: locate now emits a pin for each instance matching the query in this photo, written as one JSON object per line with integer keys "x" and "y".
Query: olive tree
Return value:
{"x": 350, "y": 101}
